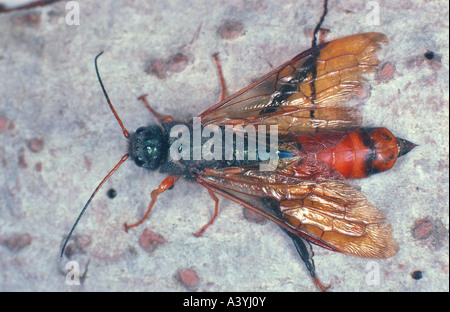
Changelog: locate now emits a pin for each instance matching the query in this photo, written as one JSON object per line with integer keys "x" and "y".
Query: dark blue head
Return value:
{"x": 148, "y": 147}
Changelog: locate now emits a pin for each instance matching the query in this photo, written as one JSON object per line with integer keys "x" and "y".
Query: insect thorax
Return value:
{"x": 180, "y": 149}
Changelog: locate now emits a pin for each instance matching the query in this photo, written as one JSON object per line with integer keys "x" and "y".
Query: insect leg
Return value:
{"x": 222, "y": 79}
{"x": 323, "y": 33}
{"x": 216, "y": 211}
{"x": 314, "y": 44}
{"x": 319, "y": 25}
{"x": 307, "y": 256}
{"x": 161, "y": 119}
{"x": 164, "y": 186}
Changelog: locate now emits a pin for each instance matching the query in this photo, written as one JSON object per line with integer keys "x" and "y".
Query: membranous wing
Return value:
{"x": 305, "y": 94}
{"x": 329, "y": 213}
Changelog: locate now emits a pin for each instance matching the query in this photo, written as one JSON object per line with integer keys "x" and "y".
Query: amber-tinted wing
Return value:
{"x": 305, "y": 94}
{"x": 329, "y": 213}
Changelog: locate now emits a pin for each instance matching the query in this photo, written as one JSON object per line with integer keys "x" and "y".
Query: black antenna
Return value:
{"x": 124, "y": 157}
{"x": 122, "y": 160}
{"x": 125, "y": 132}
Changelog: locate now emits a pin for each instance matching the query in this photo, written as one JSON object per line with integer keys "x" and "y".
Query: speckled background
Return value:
{"x": 58, "y": 139}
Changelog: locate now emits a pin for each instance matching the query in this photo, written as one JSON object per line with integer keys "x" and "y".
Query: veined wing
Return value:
{"x": 329, "y": 213}
{"x": 305, "y": 94}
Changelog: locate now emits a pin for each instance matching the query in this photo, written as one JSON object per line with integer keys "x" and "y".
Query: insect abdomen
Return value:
{"x": 362, "y": 152}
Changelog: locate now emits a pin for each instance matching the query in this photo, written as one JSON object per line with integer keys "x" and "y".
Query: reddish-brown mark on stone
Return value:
{"x": 22, "y": 163}
{"x": 36, "y": 145}
{"x": 177, "y": 63}
{"x": 422, "y": 228}
{"x": 77, "y": 245}
{"x": 188, "y": 278}
{"x": 3, "y": 123}
{"x": 157, "y": 68}
{"x": 231, "y": 30}
{"x": 16, "y": 242}
{"x": 150, "y": 240}
{"x": 32, "y": 19}
{"x": 38, "y": 166}
{"x": 163, "y": 68}
{"x": 6, "y": 124}
{"x": 87, "y": 163}
{"x": 386, "y": 72}
{"x": 432, "y": 231}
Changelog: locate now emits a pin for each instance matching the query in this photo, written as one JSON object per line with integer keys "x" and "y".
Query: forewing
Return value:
{"x": 305, "y": 94}
{"x": 332, "y": 213}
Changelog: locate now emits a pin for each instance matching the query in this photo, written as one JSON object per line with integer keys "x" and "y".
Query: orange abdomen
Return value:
{"x": 358, "y": 153}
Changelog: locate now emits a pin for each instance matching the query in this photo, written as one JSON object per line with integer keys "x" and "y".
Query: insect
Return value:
{"x": 320, "y": 144}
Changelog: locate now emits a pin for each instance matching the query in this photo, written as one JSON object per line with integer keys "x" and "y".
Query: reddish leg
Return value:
{"x": 320, "y": 285}
{"x": 216, "y": 211}
{"x": 164, "y": 186}
{"x": 323, "y": 33}
{"x": 165, "y": 118}
{"x": 222, "y": 80}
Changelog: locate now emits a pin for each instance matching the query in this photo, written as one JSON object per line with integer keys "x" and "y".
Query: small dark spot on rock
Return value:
{"x": 111, "y": 193}
{"x": 433, "y": 60}
{"x": 417, "y": 275}
{"x": 429, "y": 55}
{"x": 132, "y": 252}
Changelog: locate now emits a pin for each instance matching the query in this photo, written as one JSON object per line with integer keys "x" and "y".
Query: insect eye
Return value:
{"x": 140, "y": 129}
{"x": 139, "y": 161}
